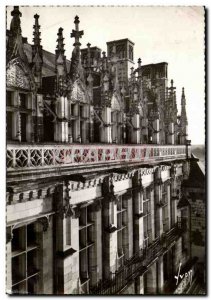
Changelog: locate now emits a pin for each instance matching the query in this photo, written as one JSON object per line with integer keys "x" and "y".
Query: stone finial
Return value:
{"x": 16, "y": 12}
{"x": 15, "y": 25}
{"x": 77, "y": 34}
{"x": 183, "y": 92}
{"x": 88, "y": 55}
{"x": 77, "y": 21}
{"x": 60, "y": 39}
{"x": 139, "y": 62}
{"x": 36, "y": 32}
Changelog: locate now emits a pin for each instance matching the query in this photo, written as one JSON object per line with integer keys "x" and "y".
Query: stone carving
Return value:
{"x": 75, "y": 211}
{"x": 9, "y": 234}
{"x": 19, "y": 157}
{"x": 115, "y": 105}
{"x": 78, "y": 93}
{"x": 45, "y": 221}
{"x": 16, "y": 76}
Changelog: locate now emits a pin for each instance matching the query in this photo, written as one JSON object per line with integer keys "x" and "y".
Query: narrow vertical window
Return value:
{"x": 68, "y": 231}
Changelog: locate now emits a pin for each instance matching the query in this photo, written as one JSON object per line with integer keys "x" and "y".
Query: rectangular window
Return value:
{"x": 81, "y": 111}
{"x": 25, "y": 260}
{"x": 122, "y": 232}
{"x": 9, "y": 125}
{"x": 86, "y": 242}
{"x": 9, "y": 98}
{"x": 23, "y": 127}
{"x": 112, "y": 212}
{"x": 72, "y": 109}
{"x": 68, "y": 231}
{"x": 22, "y": 98}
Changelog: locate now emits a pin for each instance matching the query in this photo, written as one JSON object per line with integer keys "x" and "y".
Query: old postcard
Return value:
{"x": 105, "y": 111}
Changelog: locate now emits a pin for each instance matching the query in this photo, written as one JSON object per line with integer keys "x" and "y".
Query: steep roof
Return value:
{"x": 183, "y": 202}
{"x": 48, "y": 61}
{"x": 196, "y": 178}
{"x": 48, "y": 58}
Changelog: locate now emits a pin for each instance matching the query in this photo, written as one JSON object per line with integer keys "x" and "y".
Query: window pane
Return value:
{"x": 9, "y": 125}
{"x": 9, "y": 98}
{"x": 22, "y": 98}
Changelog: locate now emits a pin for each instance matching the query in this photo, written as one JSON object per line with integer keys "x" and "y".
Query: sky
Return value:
{"x": 171, "y": 34}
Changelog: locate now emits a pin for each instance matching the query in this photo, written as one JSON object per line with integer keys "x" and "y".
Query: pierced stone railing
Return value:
{"x": 34, "y": 156}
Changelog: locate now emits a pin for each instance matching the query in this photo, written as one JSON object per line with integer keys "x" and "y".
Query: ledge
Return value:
{"x": 66, "y": 253}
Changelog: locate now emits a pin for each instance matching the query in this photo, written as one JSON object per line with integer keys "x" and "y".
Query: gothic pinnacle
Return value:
{"x": 77, "y": 21}
{"x": 183, "y": 92}
{"x": 16, "y": 12}
{"x": 36, "y": 32}
{"x": 139, "y": 62}
{"x": 60, "y": 39}
{"x": 77, "y": 34}
{"x": 15, "y": 25}
{"x": 183, "y": 100}
{"x": 88, "y": 55}
{"x": 183, "y": 108}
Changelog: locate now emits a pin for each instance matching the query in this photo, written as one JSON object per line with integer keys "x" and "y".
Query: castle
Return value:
{"x": 96, "y": 158}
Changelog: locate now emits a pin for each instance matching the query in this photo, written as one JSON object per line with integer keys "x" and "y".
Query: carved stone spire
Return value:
{"x": 37, "y": 56}
{"x": 139, "y": 67}
{"x": 60, "y": 44}
{"x": 104, "y": 62}
{"x": 76, "y": 69}
{"x": 184, "y": 119}
{"x": 15, "y": 44}
{"x": 171, "y": 104}
{"x": 77, "y": 34}
{"x": 60, "y": 57}
{"x": 15, "y": 26}
{"x": 140, "y": 81}
{"x": 60, "y": 61}
{"x": 36, "y": 32}
{"x": 88, "y": 56}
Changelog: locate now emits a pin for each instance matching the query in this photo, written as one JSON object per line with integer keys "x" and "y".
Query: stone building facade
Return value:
{"x": 194, "y": 188}
{"x": 96, "y": 157}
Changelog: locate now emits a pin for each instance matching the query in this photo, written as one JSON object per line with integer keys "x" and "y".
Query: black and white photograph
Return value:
{"x": 105, "y": 150}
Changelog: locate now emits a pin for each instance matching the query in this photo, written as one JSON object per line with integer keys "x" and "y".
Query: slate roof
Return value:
{"x": 48, "y": 61}
{"x": 183, "y": 202}
{"x": 196, "y": 178}
{"x": 48, "y": 58}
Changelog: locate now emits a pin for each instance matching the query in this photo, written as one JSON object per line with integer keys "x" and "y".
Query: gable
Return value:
{"x": 78, "y": 93}
{"x": 115, "y": 105}
{"x": 17, "y": 76}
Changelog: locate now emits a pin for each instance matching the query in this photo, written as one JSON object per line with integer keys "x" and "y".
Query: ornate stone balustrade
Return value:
{"x": 35, "y": 156}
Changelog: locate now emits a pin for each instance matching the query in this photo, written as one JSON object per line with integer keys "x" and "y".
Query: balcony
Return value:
{"x": 137, "y": 265}
{"x": 26, "y": 158}
{"x": 39, "y": 156}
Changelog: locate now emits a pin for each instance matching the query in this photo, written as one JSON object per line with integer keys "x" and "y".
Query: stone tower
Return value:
{"x": 124, "y": 49}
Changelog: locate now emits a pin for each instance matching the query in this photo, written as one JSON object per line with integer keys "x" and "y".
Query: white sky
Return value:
{"x": 171, "y": 34}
